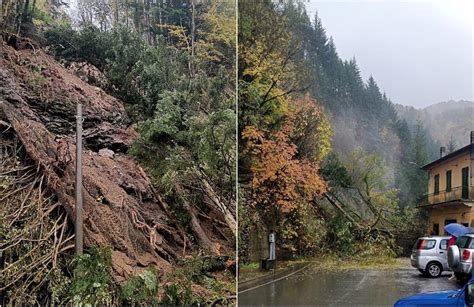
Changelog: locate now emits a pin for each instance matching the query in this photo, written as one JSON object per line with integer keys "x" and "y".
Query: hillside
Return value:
{"x": 157, "y": 86}
{"x": 323, "y": 156}
{"x": 122, "y": 209}
{"x": 444, "y": 120}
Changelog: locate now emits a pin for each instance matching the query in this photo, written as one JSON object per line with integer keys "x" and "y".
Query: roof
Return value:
{"x": 448, "y": 156}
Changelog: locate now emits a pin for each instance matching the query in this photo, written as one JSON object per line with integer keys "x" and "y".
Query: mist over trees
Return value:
{"x": 362, "y": 116}
{"x": 449, "y": 122}
{"x": 367, "y": 138}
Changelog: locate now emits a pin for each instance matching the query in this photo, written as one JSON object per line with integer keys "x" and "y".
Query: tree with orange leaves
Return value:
{"x": 280, "y": 180}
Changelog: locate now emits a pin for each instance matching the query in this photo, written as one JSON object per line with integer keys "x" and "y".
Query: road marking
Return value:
{"x": 275, "y": 280}
{"x": 358, "y": 287}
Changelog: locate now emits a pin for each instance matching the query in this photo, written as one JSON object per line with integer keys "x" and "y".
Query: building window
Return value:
{"x": 435, "y": 230}
{"x": 465, "y": 183}
{"x": 436, "y": 184}
{"x": 448, "y": 181}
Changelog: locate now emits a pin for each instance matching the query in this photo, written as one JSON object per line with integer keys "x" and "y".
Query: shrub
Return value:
{"x": 341, "y": 234}
{"x": 140, "y": 289}
{"x": 178, "y": 296}
{"x": 92, "y": 285}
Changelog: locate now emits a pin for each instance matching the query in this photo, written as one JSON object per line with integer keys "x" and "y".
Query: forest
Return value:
{"x": 325, "y": 161}
{"x": 157, "y": 84}
{"x": 207, "y": 124}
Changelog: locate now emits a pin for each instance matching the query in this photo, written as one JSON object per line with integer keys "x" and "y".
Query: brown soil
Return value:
{"x": 38, "y": 98}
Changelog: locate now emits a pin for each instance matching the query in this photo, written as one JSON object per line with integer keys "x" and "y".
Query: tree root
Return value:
{"x": 36, "y": 232}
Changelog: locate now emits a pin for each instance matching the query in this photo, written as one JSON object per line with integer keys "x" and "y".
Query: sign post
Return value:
{"x": 271, "y": 241}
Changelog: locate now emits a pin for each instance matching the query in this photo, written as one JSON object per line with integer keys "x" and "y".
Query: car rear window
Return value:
{"x": 464, "y": 242}
{"x": 425, "y": 244}
{"x": 443, "y": 244}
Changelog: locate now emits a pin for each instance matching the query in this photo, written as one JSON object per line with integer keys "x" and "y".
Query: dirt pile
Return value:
{"x": 38, "y": 98}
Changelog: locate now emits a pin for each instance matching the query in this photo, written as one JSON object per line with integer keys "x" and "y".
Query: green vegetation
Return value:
{"x": 182, "y": 100}
{"x": 141, "y": 289}
{"x": 173, "y": 66}
{"x": 91, "y": 284}
{"x": 37, "y": 81}
{"x": 333, "y": 263}
{"x": 174, "y": 296}
{"x": 345, "y": 175}
{"x": 202, "y": 272}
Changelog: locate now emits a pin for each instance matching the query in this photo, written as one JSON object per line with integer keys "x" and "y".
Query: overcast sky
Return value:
{"x": 419, "y": 52}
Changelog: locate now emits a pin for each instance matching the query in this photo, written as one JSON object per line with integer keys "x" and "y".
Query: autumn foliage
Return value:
{"x": 280, "y": 180}
{"x": 283, "y": 132}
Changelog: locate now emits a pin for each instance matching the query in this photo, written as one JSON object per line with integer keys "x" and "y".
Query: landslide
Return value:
{"x": 38, "y": 98}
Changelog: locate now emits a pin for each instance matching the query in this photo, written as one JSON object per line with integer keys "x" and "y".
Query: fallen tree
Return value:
{"x": 121, "y": 207}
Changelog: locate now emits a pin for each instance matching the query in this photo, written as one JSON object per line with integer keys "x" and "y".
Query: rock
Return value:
{"x": 104, "y": 152}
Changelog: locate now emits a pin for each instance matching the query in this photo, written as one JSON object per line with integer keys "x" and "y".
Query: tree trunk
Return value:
{"x": 193, "y": 30}
{"x": 116, "y": 13}
{"x": 220, "y": 206}
{"x": 25, "y": 17}
{"x": 344, "y": 213}
{"x": 33, "y": 8}
{"x": 195, "y": 224}
{"x": 160, "y": 8}
{"x": 126, "y": 13}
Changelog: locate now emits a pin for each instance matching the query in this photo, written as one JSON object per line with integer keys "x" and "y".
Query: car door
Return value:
{"x": 442, "y": 253}
{"x": 461, "y": 302}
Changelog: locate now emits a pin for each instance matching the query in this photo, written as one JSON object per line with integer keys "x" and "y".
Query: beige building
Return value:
{"x": 450, "y": 196}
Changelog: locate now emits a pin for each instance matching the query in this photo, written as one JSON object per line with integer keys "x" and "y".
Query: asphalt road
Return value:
{"x": 352, "y": 288}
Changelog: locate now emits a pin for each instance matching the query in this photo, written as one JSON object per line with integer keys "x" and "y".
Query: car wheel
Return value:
{"x": 433, "y": 269}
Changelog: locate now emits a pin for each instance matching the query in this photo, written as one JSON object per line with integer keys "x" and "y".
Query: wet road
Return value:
{"x": 358, "y": 287}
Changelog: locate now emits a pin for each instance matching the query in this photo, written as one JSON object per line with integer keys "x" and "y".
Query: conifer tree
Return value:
{"x": 452, "y": 145}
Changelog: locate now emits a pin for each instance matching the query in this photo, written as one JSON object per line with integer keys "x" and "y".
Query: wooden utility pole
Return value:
{"x": 78, "y": 229}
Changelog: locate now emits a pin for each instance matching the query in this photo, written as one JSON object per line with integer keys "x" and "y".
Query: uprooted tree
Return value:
{"x": 122, "y": 208}
{"x": 159, "y": 137}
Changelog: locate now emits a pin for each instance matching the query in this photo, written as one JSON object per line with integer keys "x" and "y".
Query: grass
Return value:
{"x": 331, "y": 263}
{"x": 327, "y": 263}
{"x": 249, "y": 266}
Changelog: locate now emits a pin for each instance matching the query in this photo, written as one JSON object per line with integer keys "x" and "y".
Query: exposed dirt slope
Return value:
{"x": 38, "y": 99}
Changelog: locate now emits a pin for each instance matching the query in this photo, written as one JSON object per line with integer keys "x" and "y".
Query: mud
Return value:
{"x": 38, "y": 98}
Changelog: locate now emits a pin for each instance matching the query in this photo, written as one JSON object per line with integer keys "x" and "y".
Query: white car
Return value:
{"x": 429, "y": 255}
{"x": 460, "y": 256}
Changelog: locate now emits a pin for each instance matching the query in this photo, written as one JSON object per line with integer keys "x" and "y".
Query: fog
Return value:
{"x": 419, "y": 52}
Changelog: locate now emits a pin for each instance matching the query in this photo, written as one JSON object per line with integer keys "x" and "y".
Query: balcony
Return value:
{"x": 455, "y": 194}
